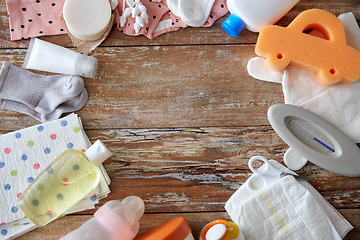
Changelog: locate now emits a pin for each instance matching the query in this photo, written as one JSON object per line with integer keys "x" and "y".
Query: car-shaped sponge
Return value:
{"x": 331, "y": 58}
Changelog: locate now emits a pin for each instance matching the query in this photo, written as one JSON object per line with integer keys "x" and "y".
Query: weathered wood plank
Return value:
{"x": 182, "y": 117}
{"x": 168, "y": 86}
{"x": 198, "y": 169}
{"x": 196, "y": 221}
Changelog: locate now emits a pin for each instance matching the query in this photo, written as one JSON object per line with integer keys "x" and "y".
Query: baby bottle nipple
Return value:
{"x": 135, "y": 205}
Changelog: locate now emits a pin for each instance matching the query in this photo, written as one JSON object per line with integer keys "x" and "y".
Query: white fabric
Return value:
{"x": 193, "y": 12}
{"x": 285, "y": 209}
{"x": 257, "y": 68}
{"x": 25, "y": 154}
{"x": 339, "y": 104}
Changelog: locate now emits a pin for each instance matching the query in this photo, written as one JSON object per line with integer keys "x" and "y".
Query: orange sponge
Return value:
{"x": 331, "y": 59}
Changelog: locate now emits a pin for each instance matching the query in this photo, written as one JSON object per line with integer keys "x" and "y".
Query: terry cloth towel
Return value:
{"x": 285, "y": 209}
{"x": 26, "y": 153}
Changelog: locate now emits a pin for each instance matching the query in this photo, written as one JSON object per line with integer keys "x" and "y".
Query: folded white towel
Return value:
{"x": 285, "y": 209}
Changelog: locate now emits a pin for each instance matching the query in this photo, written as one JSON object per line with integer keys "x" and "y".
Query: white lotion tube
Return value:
{"x": 45, "y": 56}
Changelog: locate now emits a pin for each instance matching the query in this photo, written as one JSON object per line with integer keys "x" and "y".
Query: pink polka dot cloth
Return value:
{"x": 24, "y": 154}
{"x": 33, "y": 18}
{"x": 161, "y": 20}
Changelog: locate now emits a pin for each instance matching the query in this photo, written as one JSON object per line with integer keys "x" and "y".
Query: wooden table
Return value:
{"x": 182, "y": 117}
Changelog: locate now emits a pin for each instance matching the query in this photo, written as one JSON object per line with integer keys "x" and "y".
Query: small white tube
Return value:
{"x": 45, "y": 56}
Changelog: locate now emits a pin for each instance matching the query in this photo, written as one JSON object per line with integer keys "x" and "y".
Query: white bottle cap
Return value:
{"x": 216, "y": 232}
{"x": 97, "y": 153}
{"x": 221, "y": 229}
{"x": 87, "y": 20}
{"x": 86, "y": 66}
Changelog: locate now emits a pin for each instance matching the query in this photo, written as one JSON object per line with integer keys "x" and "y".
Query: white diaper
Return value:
{"x": 285, "y": 209}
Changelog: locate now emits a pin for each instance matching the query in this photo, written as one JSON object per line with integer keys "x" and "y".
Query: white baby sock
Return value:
{"x": 193, "y": 12}
{"x": 40, "y": 93}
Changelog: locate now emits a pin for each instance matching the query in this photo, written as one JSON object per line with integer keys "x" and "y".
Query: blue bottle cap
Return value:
{"x": 233, "y": 25}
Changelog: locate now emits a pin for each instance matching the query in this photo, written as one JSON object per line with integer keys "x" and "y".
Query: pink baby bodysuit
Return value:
{"x": 33, "y": 18}
{"x": 162, "y": 20}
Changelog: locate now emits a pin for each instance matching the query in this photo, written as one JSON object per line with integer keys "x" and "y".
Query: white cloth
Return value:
{"x": 285, "y": 209}
{"x": 193, "y": 12}
{"x": 338, "y": 104}
{"x": 25, "y": 154}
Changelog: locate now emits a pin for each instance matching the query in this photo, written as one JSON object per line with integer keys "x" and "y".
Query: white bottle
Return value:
{"x": 254, "y": 14}
{"x": 114, "y": 221}
{"x": 67, "y": 180}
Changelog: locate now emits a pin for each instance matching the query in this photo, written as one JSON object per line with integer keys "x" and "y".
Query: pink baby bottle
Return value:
{"x": 115, "y": 220}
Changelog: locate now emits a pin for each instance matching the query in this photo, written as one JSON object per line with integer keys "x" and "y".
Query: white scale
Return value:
{"x": 312, "y": 138}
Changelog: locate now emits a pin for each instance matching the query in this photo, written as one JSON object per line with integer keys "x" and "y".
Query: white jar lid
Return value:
{"x": 87, "y": 19}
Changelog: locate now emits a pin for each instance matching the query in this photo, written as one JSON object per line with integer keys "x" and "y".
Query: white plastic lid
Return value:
{"x": 86, "y": 66}
{"x": 97, "y": 153}
{"x": 87, "y": 20}
{"x": 216, "y": 232}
